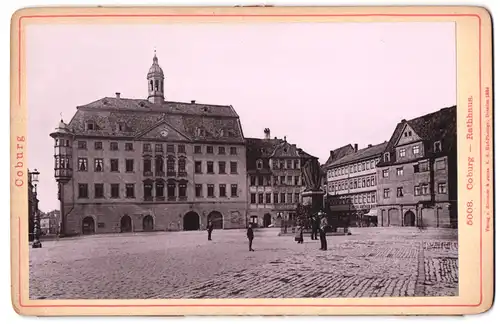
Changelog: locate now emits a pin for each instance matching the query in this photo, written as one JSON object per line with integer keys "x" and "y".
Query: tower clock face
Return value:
{"x": 163, "y": 133}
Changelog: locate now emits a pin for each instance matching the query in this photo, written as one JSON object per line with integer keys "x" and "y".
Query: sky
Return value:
{"x": 322, "y": 85}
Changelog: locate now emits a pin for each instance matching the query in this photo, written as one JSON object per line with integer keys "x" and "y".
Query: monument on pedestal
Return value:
{"x": 312, "y": 196}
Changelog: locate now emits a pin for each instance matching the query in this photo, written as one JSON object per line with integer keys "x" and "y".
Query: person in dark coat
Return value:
{"x": 210, "y": 228}
{"x": 299, "y": 234}
{"x": 250, "y": 237}
{"x": 314, "y": 228}
{"x": 322, "y": 233}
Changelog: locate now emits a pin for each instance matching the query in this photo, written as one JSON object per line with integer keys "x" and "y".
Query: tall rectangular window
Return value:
{"x": 159, "y": 148}
{"x": 98, "y": 190}
{"x": 129, "y": 165}
{"x": 385, "y": 173}
{"x": 222, "y": 150}
{"x": 146, "y": 147}
{"x": 222, "y": 190}
{"x": 160, "y": 189}
{"x": 113, "y": 146}
{"x": 82, "y": 164}
{"x": 181, "y": 166}
{"x": 181, "y": 148}
{"x": 130, "y": 190}
{"x": 222, "y": 167}
{"x": 148, "y": 191}
{"x": 115, "y": 190}
{"x": 400, "y": 191}
{"x": 386, "y": 193}
{"x": 210, "y": 167}
{"x": 114, "y": 165}
{"x": 234, "y": 190}
{"x": 252, "y": 198}
{"x": 261, "y": 180}
{"x": 268, "y": 198}
{"x": 233, "y": 150}
{"x": 402, "y": 152}
{"x": 418, "y": 191}
{"x": 234, "y": 167}
{"x": 288, "y": 164}
{"x": 275, "y": 198}
{"x": 210, "y": 190}
{"x": 197, "y": 149}
{"x": 416, "y": 150}
{"x": 399, "y": 171}
{"x": 170, "y": 148}
{"x": 147, "y": 166}
{"x": 261, "y": 198}
{"x": 197, "y": 167}
{"x": 289, "y": 180}
{"x": 83, "y": 190}
{"x": 129, "y": 146}
{"x": 252, "y": 180}
{"x": 289, "y": 198}
{"x": 442, "y": 188}
{"x": 297, "y": 197}
{"x": 425, "y": 189}
{"x": 182, "y": 190}
{"x": 98, "y": 165}
{"x": 171, "y": 191}
{"x": 198, "y": 190}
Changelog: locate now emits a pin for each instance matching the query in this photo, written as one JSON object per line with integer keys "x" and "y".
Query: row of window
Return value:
{"x": 221, "y": 150}
{"x": 365, "y": 198}
{"x": 281, "y": 164}
{"x": 114, "y": 165}
{"x": 147, "y": 147}
{"x": 418, "y": 167}
{"x": 415, "y": 149}
{"x": 420, "y": 190}
{"x": 159, "y": 190}
{"x": 361, "y": 182}
{"x": 277, "y": 180}
{"x": 362, "y": 166}
{"x": 209, "y": 167}
{"x": 278, "y": 198}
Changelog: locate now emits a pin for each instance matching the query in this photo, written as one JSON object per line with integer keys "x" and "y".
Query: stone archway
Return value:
{"x": 216, "y": 218}
{"x": 267, "y": 220}
{"x": 409, "y": 218}
{"x": 191, "y": 221}
{"x": 148, "y": 223}
{"x": 125, "y": 224}
{"x": 88, "y": 225}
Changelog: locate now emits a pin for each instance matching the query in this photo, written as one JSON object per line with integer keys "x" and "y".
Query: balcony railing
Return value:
{"x": 182, "y": 174}
{"x": 160, "y": 198}
{"x": 148, "y": 173}
{"x": 160, "y": 173}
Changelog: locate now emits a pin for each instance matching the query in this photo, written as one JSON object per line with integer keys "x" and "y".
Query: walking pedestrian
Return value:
{"x": 210, "y": 228}
{"x": 299, "y": 234}
{"x": 250, "y": 237}
{"x": 322, "y": 233}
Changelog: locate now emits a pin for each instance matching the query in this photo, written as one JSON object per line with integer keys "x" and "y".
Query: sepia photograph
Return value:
{"x": 173, "y": 161}
{"x": 280, "y": 161}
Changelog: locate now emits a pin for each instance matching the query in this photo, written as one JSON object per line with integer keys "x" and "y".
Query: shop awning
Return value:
{"x": 372, "y": 212}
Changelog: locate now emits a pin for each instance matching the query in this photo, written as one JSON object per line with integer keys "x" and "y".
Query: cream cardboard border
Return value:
{"x": 474, "y": 75}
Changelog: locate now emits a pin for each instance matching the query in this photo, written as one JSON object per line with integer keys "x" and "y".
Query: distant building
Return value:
{"x": 417, "y": 176}
{"x": 274, "y": 180}
{"x": 126, "y": 165}
{"x": 352, "y": 184}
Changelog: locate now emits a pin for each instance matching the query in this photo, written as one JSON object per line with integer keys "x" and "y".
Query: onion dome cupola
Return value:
{"x": 155, "y": 82}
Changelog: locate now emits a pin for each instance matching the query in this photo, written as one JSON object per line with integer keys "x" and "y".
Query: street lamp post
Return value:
{"x": 34, "y": 180}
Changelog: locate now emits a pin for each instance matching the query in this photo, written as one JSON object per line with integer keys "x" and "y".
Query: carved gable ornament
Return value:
{"x": 163, "y": 132}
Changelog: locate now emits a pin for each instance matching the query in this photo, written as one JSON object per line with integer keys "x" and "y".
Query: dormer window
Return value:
{"x": 437, "y": 146}
{"x": 90, "y": 125}
{"x": 386, "y": 157}
{"x": 259, "y": 164}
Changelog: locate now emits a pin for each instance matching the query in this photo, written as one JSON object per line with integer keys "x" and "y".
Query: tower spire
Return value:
{"x": 155, "y": 81}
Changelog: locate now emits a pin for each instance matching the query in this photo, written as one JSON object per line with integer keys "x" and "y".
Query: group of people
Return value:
{"x": 319, "y": 223}
{"x": 210, "y": 229}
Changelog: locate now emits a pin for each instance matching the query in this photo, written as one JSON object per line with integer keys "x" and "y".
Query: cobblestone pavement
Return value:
{"x": 373, "y": 262}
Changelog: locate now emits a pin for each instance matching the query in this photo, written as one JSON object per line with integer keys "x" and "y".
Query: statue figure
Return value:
{"x": 311, "y": 173}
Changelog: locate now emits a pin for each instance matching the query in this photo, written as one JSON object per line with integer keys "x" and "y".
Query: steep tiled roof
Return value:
{"x": 129, "y": 117}
{"x": 265, "y": 149}
{"x": 360, "y": 155}
{"x": 338, "y": 154}
{"x": 437, "y": 126}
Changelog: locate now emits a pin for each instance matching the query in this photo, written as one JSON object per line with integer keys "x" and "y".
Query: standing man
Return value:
{"x": 210, "y": 228}
{"x": 322, "y": 232}
{"x": 250, "y": 237}
{"x": 314, "y": 228}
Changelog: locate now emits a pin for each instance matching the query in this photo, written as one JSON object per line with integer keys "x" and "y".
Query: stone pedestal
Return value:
{"x": 313, "y": 199}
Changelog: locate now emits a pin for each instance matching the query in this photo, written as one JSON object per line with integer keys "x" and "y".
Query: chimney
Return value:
{"x": 403, "y": 120}
{"x": 267, "y": 133}
{"x": 369, "y": 145}
{"x": 117, "y": 95}
{"x": 355, "y": 147}
{"x": 193, "y": 101}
